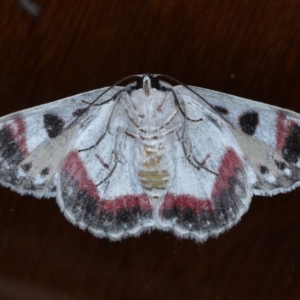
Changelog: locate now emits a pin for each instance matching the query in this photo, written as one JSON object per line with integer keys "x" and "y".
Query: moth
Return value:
{"x": 123, "y": 160}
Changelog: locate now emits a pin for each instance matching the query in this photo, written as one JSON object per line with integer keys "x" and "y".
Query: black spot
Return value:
{"x": 145, "y": 214}
{"x": 29, "y": 185}
{"x": 291, "y": 150}
{"x": 82, "y": 207}
{"x": 207, "y": 221}
{"x": 106, "y": 222}
{"x": 220, "y": 109}
{"x": 138, "y": 84}
{"x": 9, "y": 148}
{"x": 185, "y": 218}
{"x": 154, "y": 82}
{"x": 91, "y": 212}
{"x": 53, "y": 124}
{"x": 228, "y": 203}
{"x": 5, "y": 137}
{"x": 78, "y": 202}
{"x": 263, "y": 170}
{"x": 170, "y": 214}
{"x": 26, "y": 167}
{"x": 52, "y": 189}
{"x": 45, "y": 172}
{"x": 189, "y": 220}
{"x": 126, "y": 219}
{"x": 280, "y": 165}
{"x": 79, "y": 112}
{"x": 249, "y": 121}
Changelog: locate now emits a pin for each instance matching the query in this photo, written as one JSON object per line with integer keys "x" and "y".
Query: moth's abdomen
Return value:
{"x": 155, "y": 168}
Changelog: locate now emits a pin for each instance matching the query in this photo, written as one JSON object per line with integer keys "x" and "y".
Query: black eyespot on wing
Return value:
{"x": 26, "y": 167}
{"x": 249, "y": 121}
{"x": 280, "y": 165}
{"x": 45, "y": 172}
{"x": 263, "y": 170}
{"x": 291, "y": 150}
{"x": 220, "y": 109}
{"x": 53, "y": 125}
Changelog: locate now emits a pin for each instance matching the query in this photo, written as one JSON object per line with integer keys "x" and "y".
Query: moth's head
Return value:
{"x": 149, "y": 83}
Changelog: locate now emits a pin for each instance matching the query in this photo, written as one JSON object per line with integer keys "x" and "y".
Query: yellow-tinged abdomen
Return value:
{"x": 155, "y": 168}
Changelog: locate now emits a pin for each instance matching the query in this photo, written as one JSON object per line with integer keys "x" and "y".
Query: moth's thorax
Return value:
{"x": 155, "y": 167}
{"x": 152, "y": 113}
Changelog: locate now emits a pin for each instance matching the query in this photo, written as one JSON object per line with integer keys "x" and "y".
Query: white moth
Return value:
{"x": 124, "y": 160}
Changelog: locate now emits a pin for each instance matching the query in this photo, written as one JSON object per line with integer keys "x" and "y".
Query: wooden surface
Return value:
{"x": 247, "y": 48}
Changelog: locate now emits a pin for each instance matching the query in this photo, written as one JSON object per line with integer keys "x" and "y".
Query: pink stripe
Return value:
{"x": 126, "y": 202}
{"x": 18, "y": 131}
{"x": 228, "y": 168}
{"x": 75, "y": 168}
{"x": 185, "y": 202}
{"x": 282, "y": 132}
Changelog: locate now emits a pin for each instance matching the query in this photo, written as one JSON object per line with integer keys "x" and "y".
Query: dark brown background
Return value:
{"x": 247, "y": 48}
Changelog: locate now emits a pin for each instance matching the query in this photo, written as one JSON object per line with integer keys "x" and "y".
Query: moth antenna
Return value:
{"x": 181, "y": 110}
{"x": 114, "y": 97}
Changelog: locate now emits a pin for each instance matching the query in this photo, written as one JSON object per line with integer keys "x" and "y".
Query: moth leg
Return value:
{"x": 151, "y": 136}
{"x": 182, "y": 110}
{"x": 107, "y": 126}
{"x": 168, "y": 120}
{"x": 191, "y": 158}
{"x": 116, "y": 159}
{"x": 143, "y": 130}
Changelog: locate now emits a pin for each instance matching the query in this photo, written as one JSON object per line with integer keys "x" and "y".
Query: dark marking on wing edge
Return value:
{"x": 220, "y": 109}
{"x": 291, "y": 150}
{"x": 9, "y": 148}
{"x": 249, "y": 121}
{"x": 79, "y": 112}
{"x": 53, "y": 125}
